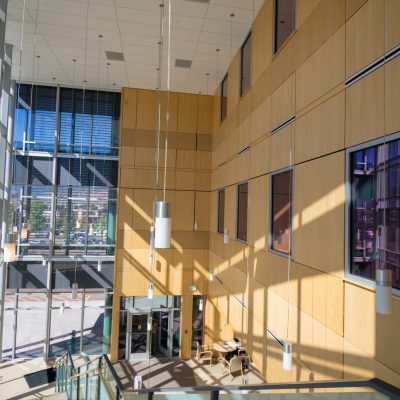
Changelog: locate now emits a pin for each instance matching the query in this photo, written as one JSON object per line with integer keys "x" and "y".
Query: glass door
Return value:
{"x": 137, "y": 340}
{"x": 164, "y": 338}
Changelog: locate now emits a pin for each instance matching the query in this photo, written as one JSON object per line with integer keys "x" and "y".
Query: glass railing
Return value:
{"x": 98, "y": 380}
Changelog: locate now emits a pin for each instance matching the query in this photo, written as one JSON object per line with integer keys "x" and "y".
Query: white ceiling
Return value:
{"x": 69, "y": 29}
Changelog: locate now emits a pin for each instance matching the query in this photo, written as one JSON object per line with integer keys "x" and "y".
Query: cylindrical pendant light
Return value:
{"x": 211, "y": 275}
{"x": 44, "y": 262}
{"x": 24, "y": 231}
{"x": 90, "y": 232}
{"x": 226, "y": 236}
{"x": 150, "y": 291}
{"x": 149, "y": 322}
{"x": 99, "y": 266}
{"x": 163, "y": 225}
{"x": 287, "y": 355}
{"x": 195, "y": 225}
{"x": 151, "y": 257}
{"x": 74, "y": 293}
{"x": 383, "y": 296}
{"x": 201, "y": 304}
{"x": 9, "y": 248}
{"x": 152, "y": 237}
{"x": 61, "y": 309}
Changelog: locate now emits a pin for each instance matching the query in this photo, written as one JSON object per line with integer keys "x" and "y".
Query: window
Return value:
{"x": 221, "y": 210}
{"x": 241, "y": 228}
{"x": 284, "y": 21}
{"x": 281, "y": 215}
{"x": 224, "y": 97}
{"x": 245, "y": 67}
{"x": 374, "y": 210}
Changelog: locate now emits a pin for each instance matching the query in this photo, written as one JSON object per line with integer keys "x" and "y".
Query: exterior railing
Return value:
{"x": 98, "y": 380}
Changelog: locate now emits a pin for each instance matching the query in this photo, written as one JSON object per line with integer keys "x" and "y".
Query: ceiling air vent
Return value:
{"x": 114, "y": 56}
{"x": 183, "y": 63}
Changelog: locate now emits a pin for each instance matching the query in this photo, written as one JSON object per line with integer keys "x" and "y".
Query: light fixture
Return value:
{"x": 44, "y": 262}
{"x": 211, "y": 275}
{"x": 61, "y": 309}
{"x": 383, "y": 295}
{"x": 149, "y": 322}
{"x": 192, "y": 288}
{"x": 74, "y": 293}
{"x": 195, "y": 225}
{"x": 24, "y": 231}
{"x": 151, "y": 257}
{"x": 150, "y": 291}
{"x": 201, "y": 304}
{"x": 226, "y": 236}
{"x": 287, "y": 355}
{"x": 99, "y": 265}
{"x": 90, "y": 232}
{"x": 163, "y": 225}
{"x": 9, "y": 248}
{"x": 152, "y": 237}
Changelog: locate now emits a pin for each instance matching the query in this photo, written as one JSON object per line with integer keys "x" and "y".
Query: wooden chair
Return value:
{"x": 203, "y": 353}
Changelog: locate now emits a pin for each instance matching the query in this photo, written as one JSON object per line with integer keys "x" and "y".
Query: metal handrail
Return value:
{"x": 375, "y": 384}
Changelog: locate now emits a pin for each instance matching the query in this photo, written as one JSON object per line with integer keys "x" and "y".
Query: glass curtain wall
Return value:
{"x": 83, "y": 158}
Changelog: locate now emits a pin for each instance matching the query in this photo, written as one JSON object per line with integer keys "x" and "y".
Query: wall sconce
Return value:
{"x": 192, "y": 288}
{"x": 9, "y": 248}
{"x": 163, "y": 225}
{"x": 383, "y": 295}
{"x": 226, "y": 236}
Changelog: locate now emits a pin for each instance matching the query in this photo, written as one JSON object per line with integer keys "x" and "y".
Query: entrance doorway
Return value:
{"x": 137, "y": 337}
{"x": 153, "y": 327}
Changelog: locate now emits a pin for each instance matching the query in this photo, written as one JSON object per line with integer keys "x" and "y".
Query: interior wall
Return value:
{"x": 335, "y": 331}
{"x": 188, "y": 181}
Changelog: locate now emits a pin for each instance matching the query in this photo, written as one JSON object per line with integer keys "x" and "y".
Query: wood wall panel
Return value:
{"x": 187, "y": 113}
{"x": 129, "y": 97}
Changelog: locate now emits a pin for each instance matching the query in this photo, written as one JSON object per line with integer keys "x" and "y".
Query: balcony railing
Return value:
{"x": 98, "y": 380}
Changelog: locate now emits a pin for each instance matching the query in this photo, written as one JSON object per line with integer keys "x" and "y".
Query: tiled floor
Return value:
{"x": 13, "y": 385}
{"x": 172, "y": 372}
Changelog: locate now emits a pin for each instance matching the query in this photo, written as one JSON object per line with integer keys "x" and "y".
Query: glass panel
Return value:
{"x": 8, "y": 337}
{"x": 197, "y": 321}
{"x": 139, "y": 333}
{"x": 375, "y": 212}
{"x": 221, "y": 210}
{"x": 97, "y": 323}
{"x": 32, "y": 310}
{"x": 242, "y": 212}
{"x": 284, "y": 21}
{"x": 122, "y": 335}
{"x": 281, "y": 212}
{"x": 176, "y": 333}
{"x": 27, "y": 275}
{"x": 246, "y": 65}
{"x": 65, "y": 327}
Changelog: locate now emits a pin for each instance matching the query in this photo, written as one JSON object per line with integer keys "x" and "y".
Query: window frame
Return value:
{"x": 237, "y": 212}
{"x": 249, "y": 36}
{"x": 223, "y": 117}
{"x": 274, "y": 43}
{"x": 348, "y": 197}
{"x": 271, "y": 217}
{"x": 218, "y": 211}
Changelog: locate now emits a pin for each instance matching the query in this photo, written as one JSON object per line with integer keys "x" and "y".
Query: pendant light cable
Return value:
{"x": 168, "y": 94}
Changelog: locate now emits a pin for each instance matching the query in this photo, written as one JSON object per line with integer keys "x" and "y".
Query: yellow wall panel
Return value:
{"x": 282, "y": 102}
{"x": 146, "y": 109}
{"x": 205, "y": 114}
{"x": 260, "y": 158}
{"x": 281, "y": 146}
{"x": 392, "y": 92}
{"x": 321, "y": 130}
{"x": 364, "y": 36}
{"x": 187, "y": 113}
{"x": 324, "y": 70}
{"x": 303, "y": 10}
{"x": 364, "y": 109}
{"x": 129, "y": 101}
